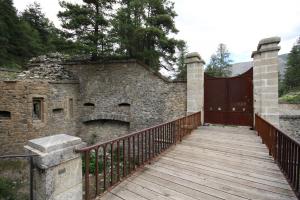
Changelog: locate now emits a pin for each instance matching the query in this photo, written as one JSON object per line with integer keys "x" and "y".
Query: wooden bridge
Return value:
{"x": 210, "y": 163}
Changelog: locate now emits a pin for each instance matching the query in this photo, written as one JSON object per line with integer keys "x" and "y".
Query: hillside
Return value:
{"x": 240, "y": 68}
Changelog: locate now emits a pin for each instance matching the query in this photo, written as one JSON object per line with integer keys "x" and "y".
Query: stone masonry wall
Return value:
{"x": 122, "y": 97}
{"x": 17, "y": 127}
{"x": 96, "y": 102}
{"x": 291, "y": 125}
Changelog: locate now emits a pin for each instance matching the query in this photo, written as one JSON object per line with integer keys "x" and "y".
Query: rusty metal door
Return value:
{"x": 229, "y": 101}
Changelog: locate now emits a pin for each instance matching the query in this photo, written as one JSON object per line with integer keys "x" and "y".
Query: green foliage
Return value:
{"x": 181, "y": 73}
{"x": 142, "y": 29}
{"x": 292, "y": 75}
{"x": 293, "y": 96}
{"x": 220, "y": 63}
{"x": 7, "y": 189}
{"x": 28, "y": 35}
{"x": 13, "y": 179}
{"x": 88, "y": 24}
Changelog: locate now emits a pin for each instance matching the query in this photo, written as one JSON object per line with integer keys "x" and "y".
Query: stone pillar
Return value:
{"x": 58, "y": 169}
{"x": 265, "y": 79}
{"x": 195, "y": 84}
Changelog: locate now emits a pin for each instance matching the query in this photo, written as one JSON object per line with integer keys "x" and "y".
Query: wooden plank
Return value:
{"x": 233, "y": 153}
{"x": 187, "y": 187}
{"x": 228, "y": 156}
{"x": 109, "y": 196}
{"x": 199, "y": 171}
{"x": 219, "y": 185}
{"x": 213, "y": 163}
{"x": 142, "y": 191}
{"x": 228, "y": 148}
{"x": 249, "y": 167}
{"x": 161, "y": 189}
{"x": 250, "y": 145}
{"x": 125, "y": 194}
{"x": 224, "y": 169}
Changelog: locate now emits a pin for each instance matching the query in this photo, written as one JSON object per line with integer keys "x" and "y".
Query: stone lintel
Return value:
{"x": 193, "y": 58}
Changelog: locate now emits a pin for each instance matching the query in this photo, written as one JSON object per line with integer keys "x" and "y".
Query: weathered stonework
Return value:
{"x": 265, "y": 79}
{"x": 290, "y": 124}
{"x": 17, "y": 99}
{"x": 95, "y": 101}
{"x": 126, "y": 96}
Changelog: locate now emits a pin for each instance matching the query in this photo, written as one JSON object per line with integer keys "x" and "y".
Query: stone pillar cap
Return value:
{"x": 193, "y": 57}
{"x": 53, "y": 143}
{"x": 53, "y": 150}
{"x": 271, "y": 40}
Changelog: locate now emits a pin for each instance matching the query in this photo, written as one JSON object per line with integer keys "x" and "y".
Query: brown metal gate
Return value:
{"x": 229, "y": 101}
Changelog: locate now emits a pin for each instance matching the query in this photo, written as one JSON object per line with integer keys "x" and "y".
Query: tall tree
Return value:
{"x": 36, "y": 18}
{"x": 52, "y": 39}
{"x": 220, "y": 63}
{"x": 292, "y": 75}
{"x": 88, "y": 24}
{"x": 18, "y": 40}
{"x": 143, "y": 29}
{"x": 181, "y": 73}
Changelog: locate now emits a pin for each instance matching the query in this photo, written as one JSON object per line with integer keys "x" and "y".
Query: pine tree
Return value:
{"x": 143, "y": 28}
{"x": 181, "y": 73}
{"x": 88, "y": 24}
{"x": 52, "y": 39}
{"x": 19, "y": 41}
{"x": 220, "y": 63}
{"x": 34, "y": 16}
{"x": 292, "y": 75}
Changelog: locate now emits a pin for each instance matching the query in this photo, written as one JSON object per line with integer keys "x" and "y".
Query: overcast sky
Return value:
{"x": 240, "y": 24}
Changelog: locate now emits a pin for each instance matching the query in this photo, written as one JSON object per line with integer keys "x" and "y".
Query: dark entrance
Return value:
{"x": 229, "y": 101}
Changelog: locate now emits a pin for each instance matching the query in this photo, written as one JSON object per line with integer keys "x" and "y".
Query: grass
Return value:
{"x": 292, "y": 97}
{"x": 14, "y": 181}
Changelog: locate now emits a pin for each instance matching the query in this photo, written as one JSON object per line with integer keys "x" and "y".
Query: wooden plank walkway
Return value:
{"x": 212, "y": 163}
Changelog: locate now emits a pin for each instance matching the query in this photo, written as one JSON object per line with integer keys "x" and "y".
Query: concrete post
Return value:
{"x": 58, "y": 169}
{"x": 265, "y": 79}
{"x": 195, "y": 84}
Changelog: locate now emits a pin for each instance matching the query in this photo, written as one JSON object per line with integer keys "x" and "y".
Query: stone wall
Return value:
{"x": 95, "y": 101}
{"x": 290, "y": 124}
{"x": 17, "y": 125}
{"x": 126, "y": 95}
{"x": 290, "y": 119}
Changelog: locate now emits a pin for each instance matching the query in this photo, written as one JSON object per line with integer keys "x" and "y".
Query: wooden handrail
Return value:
{"x": 284, "y": 149}
{"x": 114, "y": 160}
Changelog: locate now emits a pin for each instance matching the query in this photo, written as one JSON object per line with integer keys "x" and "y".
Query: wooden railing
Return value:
{"x": 284, "y": 149}
{"x": 106, "y": 164}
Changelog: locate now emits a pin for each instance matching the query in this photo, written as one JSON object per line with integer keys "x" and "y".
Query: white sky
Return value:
{"x": 240, "y": 24}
